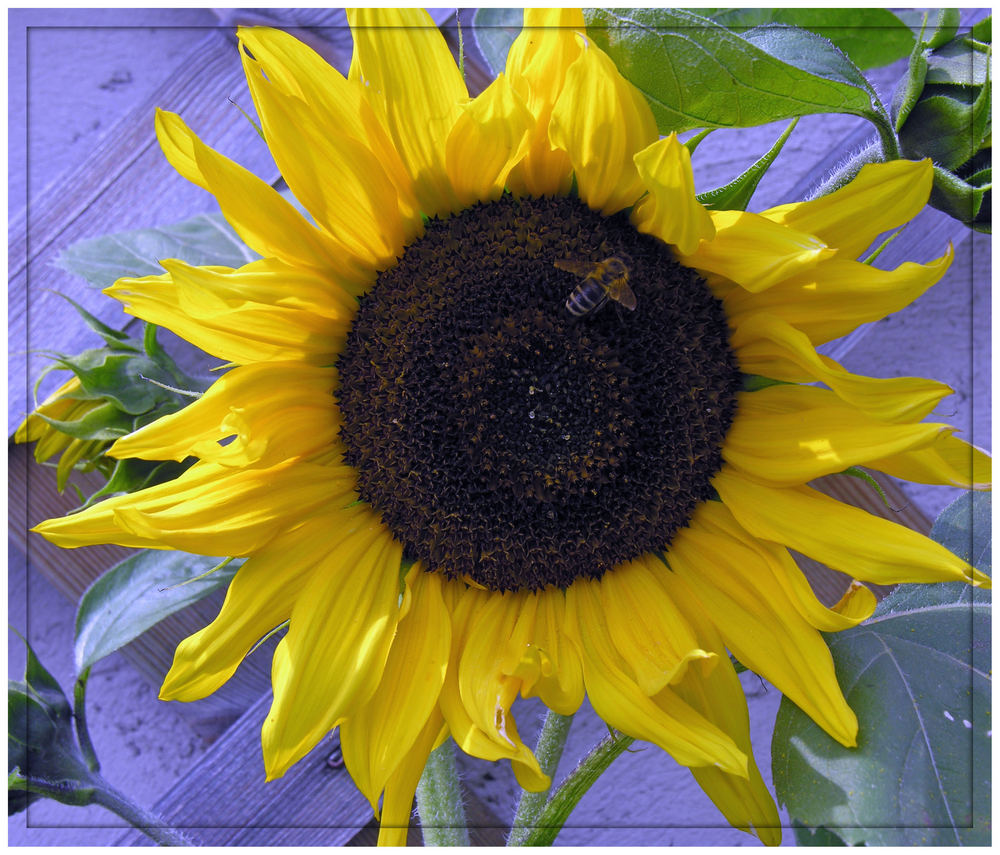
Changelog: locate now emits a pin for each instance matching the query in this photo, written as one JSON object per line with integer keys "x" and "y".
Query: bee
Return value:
{"x": 602, "y": 281}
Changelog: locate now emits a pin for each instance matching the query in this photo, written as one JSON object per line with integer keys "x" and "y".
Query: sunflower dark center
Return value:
{"x": 503, "y": 438}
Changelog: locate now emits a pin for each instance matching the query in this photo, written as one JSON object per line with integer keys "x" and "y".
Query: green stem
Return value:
{"x": 572, "y": 789}
{"x": 439, "y": 800}
{"x": 80, "y": 722}
{"x": 148, "y": 823}
{"x": 551, "y": 742}
{"x": 848, "y": 170}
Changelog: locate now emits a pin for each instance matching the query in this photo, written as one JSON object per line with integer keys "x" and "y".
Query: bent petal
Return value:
{"x": 948, "y": 460}
{"x": 796, "y": 446}
{"x": 324, "y": 669}
{"x": 416, "y": 89}
{"x": 337, "y": 104}
{"x": 670, "y": 723}
{"x": 536, "y": 68}
{"x": 258, "y": 213}
{"x": 601, "y": 121}
{"x": 856, "y": 606}
{"x": 202, "y": 305}
{"x": 881, "y": 197}
{"x": 762, "y": 626}
{"x": 208, "y": 510}
{"x": 848, "y": 539}
{"x": 836, "y": 297}
{"x": 754, "y": 252}
{"x": 259, "y": 598}
{"x": 338, "y": 179}
{"x": 402, "y": 785}
{"x": 769, "y": 347}
{"x": 487, "y": 141}
{"x": 376, "y": 736}
{"x": 277, "y": 411}
{"x": 746, "y": 803}
{"x": 550, "y": 666}
{"x": 670, "y": 210}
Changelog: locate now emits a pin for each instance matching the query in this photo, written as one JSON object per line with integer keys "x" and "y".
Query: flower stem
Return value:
{"x": 551, "y": 742}
{"x": 80, "y": 721}
{"x": 439, "y": 800}
{"x": 148, "y": 823}
{"x": 572, "y": 789}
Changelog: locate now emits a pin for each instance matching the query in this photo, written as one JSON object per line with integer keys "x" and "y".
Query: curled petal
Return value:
{"x": 670, "y": 210}
{"x": 881, "y": 197}
{"x": 601, "y": 121}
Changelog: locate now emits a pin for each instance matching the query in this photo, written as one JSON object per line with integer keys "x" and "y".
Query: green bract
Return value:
{"x": 941, "y": 110}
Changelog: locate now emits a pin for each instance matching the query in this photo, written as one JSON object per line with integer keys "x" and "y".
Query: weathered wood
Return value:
{"x": 225, "y": 801}
{"x": 32, "y": 497}
{"x": 127, "y": 184}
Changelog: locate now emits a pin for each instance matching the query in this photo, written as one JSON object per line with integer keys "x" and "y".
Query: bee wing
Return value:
{"x": 620, "y": 291}
{"x": 578, "y": 266}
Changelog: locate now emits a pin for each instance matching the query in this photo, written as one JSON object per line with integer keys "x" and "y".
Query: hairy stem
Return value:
{"x": 439, "y": 800}
{"x": 551, "y": 742}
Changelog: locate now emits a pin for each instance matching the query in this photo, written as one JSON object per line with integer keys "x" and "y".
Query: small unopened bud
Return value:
{"x": 941, "y": 110}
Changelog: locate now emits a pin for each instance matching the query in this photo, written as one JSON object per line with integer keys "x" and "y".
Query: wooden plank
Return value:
{"x": 225, "y": 801}
{"x": 32, "y": 497}
{"x": 127, "y": 184}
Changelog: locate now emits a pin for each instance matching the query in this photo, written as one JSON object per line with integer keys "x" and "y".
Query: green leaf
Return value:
{"x": 736, "y": 195}
{"x": 204, "y": 239}
{"x": 870, "y": 37}
{"x": 918, "y": 676}
{"x": 138, "y": 593}
{"x": 982, "y": 31}
{"x": 739, "y": 84}
{"x": 805, "y": 836}
{"x": 943, "y": 27}
{"x": 946, "y": 129}
{"x": 909, "y": 88}
{"x": 957, "y": 64}
{"x": 963, "y": 201}
{"x": 494, "y": 31}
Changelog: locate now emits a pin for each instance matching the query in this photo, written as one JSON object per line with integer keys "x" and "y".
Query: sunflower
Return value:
{"x": 455, "y": 489}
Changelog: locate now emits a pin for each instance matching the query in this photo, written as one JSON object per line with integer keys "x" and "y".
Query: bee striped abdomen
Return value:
{"x": 588, "y": 296}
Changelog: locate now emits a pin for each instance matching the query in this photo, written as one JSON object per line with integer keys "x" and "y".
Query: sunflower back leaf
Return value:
{"x": 917, "y": 675}
{"x": 138, "y": 593}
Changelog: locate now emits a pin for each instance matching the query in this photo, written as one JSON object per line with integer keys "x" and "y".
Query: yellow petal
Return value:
{"x": 600, "y": 120}
{"x": 402, "y": 786}
{"x": 839, "y": 295}
{"x": 670, "y": 723}
{"x": 258, "y": 213}
{"x": 768, "y": 346}
{"x": 499, "y": 740}
{"x": 645, "y": 626}
{"x": 881, "y": 197}
{"x": 208, "y": 510}
{"x": 762, "y": 626}
{"x": 337, "y": 104}
{"x": 754, "y": 252}
{"x": 856, "y": 606}
{"x": 338, "y": 640}
{"x": 277, "y": 410}
{"x": 844, "y": 538}
{"x": 259, "y": 598}
{"x": 536, "y": 67}
{"x": 337, "y": 177}
{"x": 670, "y": 211}
{"x": 199, "y": 304}
{"x": 382, "y": 732}
{"x": 417, "y": 91}
{"x": 488, "y": 139}
{"x": 811, "y": 441}
{"x": 949, "y": 460}
{"x": 550, "y": 667}
{"x": 718, "y": 695}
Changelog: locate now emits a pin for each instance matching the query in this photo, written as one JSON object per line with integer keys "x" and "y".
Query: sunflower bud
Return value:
{"x": 941, "y": 110}
{"x": 114, "y": 391}
{"x": 41, "y": 746}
